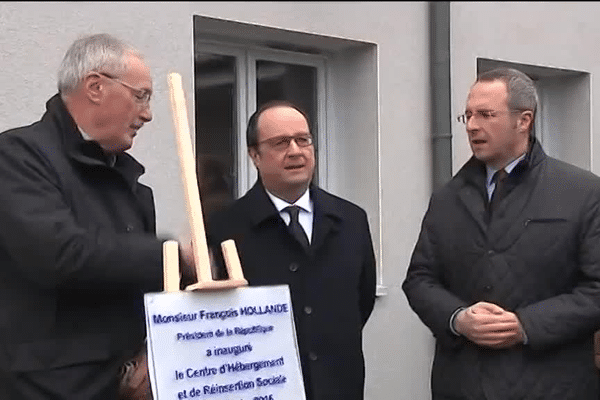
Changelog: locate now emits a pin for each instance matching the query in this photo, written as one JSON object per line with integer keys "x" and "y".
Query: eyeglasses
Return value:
{"x": 281, "y": 143}
{"x": 141, "y": 96}
{"x": 483, "y": 114}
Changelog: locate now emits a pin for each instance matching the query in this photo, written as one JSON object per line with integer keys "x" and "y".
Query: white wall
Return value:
{"x": 34, "y": 37}
{"x": 551, "y": 34}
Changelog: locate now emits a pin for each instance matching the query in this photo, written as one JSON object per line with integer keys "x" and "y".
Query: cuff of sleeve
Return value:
{"x": 525, "y": 338}
{"x": 453, "y": 318}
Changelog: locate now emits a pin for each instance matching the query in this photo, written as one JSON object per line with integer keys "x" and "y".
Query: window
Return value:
{"x": 230, "y": 84}
{"x": 239, "y": 66}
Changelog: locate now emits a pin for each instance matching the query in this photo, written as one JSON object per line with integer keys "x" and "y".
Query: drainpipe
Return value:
{"x": 441, "y": 134}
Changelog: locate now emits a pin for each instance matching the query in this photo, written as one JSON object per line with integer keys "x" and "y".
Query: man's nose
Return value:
{"x": 146, "y": 114}
{"x": 293, "y": 147}
{"x": 472, "y": 124}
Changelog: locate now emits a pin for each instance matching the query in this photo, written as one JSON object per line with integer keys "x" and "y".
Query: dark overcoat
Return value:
{"x": 77, "y": 252}
{"x": 332, "y": 285}
{"x": 538, "y": 256}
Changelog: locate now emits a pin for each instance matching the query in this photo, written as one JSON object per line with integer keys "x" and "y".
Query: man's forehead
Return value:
{"x": 140, "y": 72}
{"x": 487, "y": 92}
{"x": 281, "y": 113}
{"x": 282, "y": 116}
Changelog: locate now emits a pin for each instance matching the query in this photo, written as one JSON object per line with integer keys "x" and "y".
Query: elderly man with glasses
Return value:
{"x": 289, "y": 231}
{"x": 78, "y": 247}
{"x": 506, "y": 270}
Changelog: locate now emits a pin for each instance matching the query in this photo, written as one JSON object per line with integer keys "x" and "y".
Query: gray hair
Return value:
{"x": 100, "y": 53}
{"x": 522, "y": 94}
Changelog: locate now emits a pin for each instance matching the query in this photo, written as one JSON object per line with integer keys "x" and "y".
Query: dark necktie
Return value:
{"x": 295, "y": 227}
{"x": 499, "y": 190}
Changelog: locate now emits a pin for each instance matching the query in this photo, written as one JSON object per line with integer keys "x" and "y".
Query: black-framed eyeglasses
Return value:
{"x": 141, "y": 96}
{"x": 281, "y": 143}
{"x": 484, "y": 114}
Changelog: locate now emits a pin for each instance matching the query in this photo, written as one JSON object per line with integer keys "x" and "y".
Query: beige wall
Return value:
{"x": 34, "y": 37}
{"x": 552, "y": 34}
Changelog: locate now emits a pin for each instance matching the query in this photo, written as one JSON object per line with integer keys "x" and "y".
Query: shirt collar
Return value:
{"x": 303, "y": 202}
{"x": 491, "y": 171}
{"x": 84, "y": 135}
{"x": 111, "y": 159}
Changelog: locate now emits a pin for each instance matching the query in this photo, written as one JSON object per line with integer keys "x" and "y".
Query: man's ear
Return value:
{"x": 254, "y": 155}
{"x": 93, "y": 87}
{"x": 525, "y": 121}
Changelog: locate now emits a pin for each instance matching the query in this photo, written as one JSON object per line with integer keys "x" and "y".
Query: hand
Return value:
{"x": 489, "y": 325}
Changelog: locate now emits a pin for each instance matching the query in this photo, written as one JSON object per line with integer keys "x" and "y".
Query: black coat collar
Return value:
{"x": 264, "y": 209}
{"x": 470, "y": 183}
{"x": 327, "y": 212}
{"x": 88, "y": 153}
{"x": 474, "y": 171}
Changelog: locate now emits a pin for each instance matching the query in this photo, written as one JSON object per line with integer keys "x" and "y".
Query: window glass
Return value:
{"x": 216, "y": 131}
{"x": 291, "y": 82}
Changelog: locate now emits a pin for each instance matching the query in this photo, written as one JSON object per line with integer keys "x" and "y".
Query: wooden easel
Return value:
{"x": 208, "y": 295}
{"x": 194, "y": 210}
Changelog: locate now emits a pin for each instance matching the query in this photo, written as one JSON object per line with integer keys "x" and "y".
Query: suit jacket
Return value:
{"x": 332, "y": 285}
{"x": 538, "y": 256}
{"x": 77, "y": 252}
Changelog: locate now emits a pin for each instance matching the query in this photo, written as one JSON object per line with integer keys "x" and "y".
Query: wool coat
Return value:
{"x": 77, "y": 251}
{"x": 537, "y": 256}
{"x": 332, "y": 285}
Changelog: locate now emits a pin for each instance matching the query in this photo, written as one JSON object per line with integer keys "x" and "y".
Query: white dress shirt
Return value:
{"x": 305, "y": 217}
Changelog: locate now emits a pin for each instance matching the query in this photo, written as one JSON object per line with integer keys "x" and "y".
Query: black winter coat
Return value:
{"x": 332, "y": 286}
{"x": 77, "y": 252}
{"x": 539, "y": 256}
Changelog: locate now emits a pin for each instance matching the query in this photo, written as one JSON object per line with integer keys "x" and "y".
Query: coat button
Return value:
{"x": 294, "y": 267}
{"x": 487, "y": 288}
{"x": 129, "y": 228}
{"x": 312, "y": 356}
{"x": 308, "y": 310}
{"x": 491, "y": 252}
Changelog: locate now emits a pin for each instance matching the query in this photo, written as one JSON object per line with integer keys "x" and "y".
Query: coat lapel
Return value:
{"x": 260, "y": 206}
{"x": 506, "y": 224}
{"x": 518, "y": 205}
{"x": 326, "y": 218}
{"x": 472, "y": 192}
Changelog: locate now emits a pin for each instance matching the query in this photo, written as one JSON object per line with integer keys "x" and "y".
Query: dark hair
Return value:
{"x": 522, "y": 94}
{"x": 252, "y": 129}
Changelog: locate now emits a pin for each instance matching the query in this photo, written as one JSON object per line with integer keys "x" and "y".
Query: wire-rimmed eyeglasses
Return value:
{"x": 141, "y": 96}
{"x": 484, "y": 114}
{"x": 281, "y": 143}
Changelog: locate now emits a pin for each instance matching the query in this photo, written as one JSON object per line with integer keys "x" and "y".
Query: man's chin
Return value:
{"x": 118, "y": 148}
{"x": 481, "y": 156}
{"x": 298, "y": 181}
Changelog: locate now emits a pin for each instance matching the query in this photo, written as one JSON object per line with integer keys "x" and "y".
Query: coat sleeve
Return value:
{"x": 368, "y": 275}
{"x": 424, "y": 287}
{"x": 44, "y": 241}
{"x": 568, "y": 316}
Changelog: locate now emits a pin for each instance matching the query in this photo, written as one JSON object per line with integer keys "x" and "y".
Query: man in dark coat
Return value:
{"x": 510, "y": 287}
{"x": 77, "y": 244}
{"x": 331, "y": 278}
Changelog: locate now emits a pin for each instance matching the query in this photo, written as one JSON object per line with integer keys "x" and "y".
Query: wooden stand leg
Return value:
{"x": 192, "y": 196}
{"x": 171, "y": 266}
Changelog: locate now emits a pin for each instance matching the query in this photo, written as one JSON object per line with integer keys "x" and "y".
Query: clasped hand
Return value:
{"x": 489, "y": 325}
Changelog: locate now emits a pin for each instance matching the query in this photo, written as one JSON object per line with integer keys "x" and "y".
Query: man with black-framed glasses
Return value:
{"x": 289, "y": 231}
{"x": 78, "y": 245}
{"x": 506, "y": 270}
